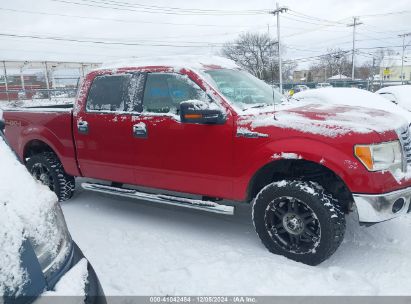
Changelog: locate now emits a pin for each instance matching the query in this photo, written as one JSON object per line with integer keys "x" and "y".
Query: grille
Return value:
{"x": 405, "y": 139}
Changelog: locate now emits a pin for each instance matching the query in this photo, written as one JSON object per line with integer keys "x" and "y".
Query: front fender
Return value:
{"x": 339, "y": 159}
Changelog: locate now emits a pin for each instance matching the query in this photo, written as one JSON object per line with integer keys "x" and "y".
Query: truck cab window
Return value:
{"x": 117, "y": 93}
{"x": 165, "y": 91}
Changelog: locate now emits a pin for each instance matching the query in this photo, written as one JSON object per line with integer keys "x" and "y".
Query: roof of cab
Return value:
{"x": 194, "y": 62}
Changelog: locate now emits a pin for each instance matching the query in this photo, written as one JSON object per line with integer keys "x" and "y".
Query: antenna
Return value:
{"x": 272, "y": 74}
{"x": 272, "y": 87}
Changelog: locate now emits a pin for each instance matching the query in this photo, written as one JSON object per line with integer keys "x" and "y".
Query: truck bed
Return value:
{"x": 36, "y": 126}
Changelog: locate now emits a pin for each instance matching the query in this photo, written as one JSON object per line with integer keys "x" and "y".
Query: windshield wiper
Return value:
{"x": 261, "y": 105}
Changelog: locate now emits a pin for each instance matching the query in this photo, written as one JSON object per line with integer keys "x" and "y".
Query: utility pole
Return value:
{"x": 372, "y": 74}
{"x": 277, "y": 12}
{"x": 354, "y": 25}
{"x": 402, "y": 59}
{"x": 5, "y": 80}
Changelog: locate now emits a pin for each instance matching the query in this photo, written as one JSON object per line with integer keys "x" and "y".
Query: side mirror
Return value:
{"x": 2, "y": 125}
{"x": 200, "y": 112}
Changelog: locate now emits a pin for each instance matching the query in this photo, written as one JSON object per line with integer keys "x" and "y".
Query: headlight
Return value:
{"x": 53, "y": 251}
{"x": 378, "y": 157}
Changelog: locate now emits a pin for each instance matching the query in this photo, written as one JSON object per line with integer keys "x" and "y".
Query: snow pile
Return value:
{"x": 351, "y": 97}
{"x": 176, "y": 62}
{"x": 402, "y": 94}
{"x": 25, "y": 207}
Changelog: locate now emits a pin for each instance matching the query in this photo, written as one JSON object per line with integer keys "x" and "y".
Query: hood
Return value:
{"x": 327, "y": 119}
{"x": 351, "y": 97}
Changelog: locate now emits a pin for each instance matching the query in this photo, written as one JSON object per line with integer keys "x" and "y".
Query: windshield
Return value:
{"x": 244, "y": 90}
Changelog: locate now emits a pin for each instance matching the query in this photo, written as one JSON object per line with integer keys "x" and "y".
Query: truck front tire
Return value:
{"x": 299, "y": 220}
{"x": 47, "y": 168}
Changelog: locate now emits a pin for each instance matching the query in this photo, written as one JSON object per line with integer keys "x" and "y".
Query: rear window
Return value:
{"x": 118, "y": 93}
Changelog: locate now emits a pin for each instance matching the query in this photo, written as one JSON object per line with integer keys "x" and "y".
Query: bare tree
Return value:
{"x": 336, "y": 61}
{"x": 288, "y": 68}
{"x": 333, "y": 63}
{"x": 380, "y": 54}
{"x": 365, "y": 70}
{"x": 258, "y": 54}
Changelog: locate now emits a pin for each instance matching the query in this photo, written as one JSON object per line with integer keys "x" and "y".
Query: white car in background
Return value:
{"x": 400, "y": 95}
{"x": 323, "y": 85}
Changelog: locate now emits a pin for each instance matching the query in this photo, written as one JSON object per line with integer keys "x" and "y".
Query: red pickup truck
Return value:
{"x": 204, "y": 134}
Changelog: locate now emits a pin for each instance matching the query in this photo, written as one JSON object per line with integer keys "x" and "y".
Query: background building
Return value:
{"x": 390, "y": 68}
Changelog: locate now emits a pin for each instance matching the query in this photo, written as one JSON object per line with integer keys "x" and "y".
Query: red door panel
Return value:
{"x": 191, "y": 158}
{"x": 106, "y": 152}
{"x": 103, "y": 131}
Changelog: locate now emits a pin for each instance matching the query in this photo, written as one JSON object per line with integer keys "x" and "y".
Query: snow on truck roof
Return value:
{"x": 185, "y": 61}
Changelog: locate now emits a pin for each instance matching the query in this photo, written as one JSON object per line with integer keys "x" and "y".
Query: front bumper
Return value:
{"x": 37, "y": 284}
{"x": 375, "y": 208}
{"x": 94, "y": 291}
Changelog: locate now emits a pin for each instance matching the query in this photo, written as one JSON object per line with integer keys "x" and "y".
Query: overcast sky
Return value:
{"x": 124, "y": 22}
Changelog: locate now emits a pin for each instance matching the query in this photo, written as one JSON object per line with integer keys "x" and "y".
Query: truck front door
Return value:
{"x": 183, "y": 157}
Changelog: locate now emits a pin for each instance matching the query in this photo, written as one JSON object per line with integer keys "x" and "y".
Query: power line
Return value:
{"x": 311, "y": 58}
{"x": 293, "y": 18}
{"x": 386, "y": 14}
{"x": 107, "y": 5}
{"x": 156, "y": 39}
{"x": 106, "y": 42}
{"x": 179, "y": 9}
{"x": 117, "y": 20}
{"x": 316, "y": 19}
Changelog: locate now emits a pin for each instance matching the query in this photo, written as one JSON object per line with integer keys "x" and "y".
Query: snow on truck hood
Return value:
{"x": 326, "y": 120}
{"x": 25, "y": 206}
{"x": 351, "y": 97}
{"x": 334, "y": 111}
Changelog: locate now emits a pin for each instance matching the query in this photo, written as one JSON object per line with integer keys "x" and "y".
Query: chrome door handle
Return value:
{"x": 140, "y": 130}
{"x": 82, "y": 126}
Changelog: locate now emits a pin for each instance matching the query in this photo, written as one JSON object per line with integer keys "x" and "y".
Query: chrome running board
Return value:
{"x": 161, "y": 198}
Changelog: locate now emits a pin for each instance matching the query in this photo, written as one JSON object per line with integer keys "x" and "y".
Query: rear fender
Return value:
{"x": 65, "y": 155}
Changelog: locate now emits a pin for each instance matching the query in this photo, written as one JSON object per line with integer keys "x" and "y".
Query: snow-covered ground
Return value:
{"x": 140, "y": 248}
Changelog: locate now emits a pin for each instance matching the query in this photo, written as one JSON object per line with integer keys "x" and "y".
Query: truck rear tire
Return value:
{"x": 47, "y": 168}
{"x": 299, "y": 220}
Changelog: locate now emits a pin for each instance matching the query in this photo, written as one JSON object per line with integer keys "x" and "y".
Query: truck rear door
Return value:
{"x": 103, "y": 130}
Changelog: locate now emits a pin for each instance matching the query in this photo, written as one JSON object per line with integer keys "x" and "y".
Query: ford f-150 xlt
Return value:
{"x": 208, "y": 135}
